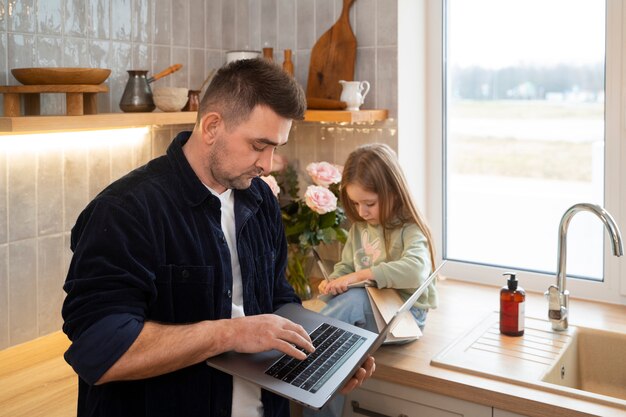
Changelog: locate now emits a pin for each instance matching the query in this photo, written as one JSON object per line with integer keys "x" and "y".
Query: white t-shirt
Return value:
{"x": 246, "y": 396}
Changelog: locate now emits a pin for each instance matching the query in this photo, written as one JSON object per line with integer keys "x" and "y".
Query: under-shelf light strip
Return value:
{"x": 88, "y": 139}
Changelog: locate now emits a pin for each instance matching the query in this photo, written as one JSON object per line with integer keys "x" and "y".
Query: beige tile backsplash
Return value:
{"x": 43, "y": 191}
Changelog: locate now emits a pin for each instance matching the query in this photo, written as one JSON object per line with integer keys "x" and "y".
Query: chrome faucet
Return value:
{"x": 558, "y": 296}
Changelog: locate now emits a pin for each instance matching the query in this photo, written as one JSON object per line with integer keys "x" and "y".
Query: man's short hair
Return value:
{"x": 240, "y": 86}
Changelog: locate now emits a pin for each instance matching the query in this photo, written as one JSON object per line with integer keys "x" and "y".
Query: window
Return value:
{"x": 526, "y": 98}
{"x": 524, "y": 131}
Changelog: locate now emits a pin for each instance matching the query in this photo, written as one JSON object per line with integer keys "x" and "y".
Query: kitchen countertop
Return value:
{"x": 35, "y": 380}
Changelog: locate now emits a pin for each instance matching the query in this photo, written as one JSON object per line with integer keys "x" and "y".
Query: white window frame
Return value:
{"x": 420, "y": 136}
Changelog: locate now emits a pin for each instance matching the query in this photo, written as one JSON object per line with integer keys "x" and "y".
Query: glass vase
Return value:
{"x": 299, "y": 264}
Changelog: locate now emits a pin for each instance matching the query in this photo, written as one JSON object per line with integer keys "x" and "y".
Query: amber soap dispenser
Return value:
{"x": 512, "y": 300}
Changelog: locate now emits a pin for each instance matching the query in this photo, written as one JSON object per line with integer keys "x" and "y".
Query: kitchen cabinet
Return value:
{"x": 37, "y": 124}
{"x": 378, "y": 398}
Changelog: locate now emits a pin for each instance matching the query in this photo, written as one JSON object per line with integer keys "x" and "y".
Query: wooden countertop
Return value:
{"x": 461, "y": 307}
{"x": 36, "y": 381}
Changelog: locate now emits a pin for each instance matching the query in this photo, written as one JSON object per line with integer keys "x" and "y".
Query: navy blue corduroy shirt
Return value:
{"x": 151, "y": 247}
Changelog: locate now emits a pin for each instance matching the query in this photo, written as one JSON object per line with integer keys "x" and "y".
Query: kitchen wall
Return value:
{"x": 42, "y": 188}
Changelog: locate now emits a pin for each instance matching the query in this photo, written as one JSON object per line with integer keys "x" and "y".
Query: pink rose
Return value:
{"x": 271, "y": 181}
{"x": 279, "y": 162}
{"x": 319, "y": 199}
{"x": 323, "y": 173}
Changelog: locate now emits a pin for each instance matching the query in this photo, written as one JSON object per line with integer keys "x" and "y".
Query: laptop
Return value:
{"x": 341, "y": 348}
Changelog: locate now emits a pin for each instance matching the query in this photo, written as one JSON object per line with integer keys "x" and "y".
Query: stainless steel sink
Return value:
{"x": 579, "y": 362}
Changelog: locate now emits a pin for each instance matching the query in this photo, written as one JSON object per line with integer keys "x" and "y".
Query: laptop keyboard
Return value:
{"x": 333, "y": 346}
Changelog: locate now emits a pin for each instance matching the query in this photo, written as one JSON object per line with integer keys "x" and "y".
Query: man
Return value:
{"x": 184, "y": 258}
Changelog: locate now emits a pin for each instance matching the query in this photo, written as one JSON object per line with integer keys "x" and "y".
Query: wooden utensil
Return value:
{"x": 166, "y": 71}
{"x": 332, "y": 58}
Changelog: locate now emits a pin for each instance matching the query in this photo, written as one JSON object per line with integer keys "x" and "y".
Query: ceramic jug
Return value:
{"x": 353, "y": 93}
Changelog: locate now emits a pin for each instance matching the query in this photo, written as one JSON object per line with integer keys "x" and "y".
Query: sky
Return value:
{"x": 499, "y": 33}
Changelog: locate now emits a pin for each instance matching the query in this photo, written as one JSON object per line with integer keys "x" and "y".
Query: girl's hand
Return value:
{"x": 338, "y": 285}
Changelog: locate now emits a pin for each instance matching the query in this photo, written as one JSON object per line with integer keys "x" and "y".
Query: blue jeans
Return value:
{"x": 353, "y": 306}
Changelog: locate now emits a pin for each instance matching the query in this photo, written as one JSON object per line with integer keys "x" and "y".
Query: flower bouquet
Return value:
{"x": 310, "y": 220}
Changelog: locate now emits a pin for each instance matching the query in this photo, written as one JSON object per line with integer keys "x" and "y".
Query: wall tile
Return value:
{"x": 302, "y": 58}
{"x": 197, "y": 24}
{"x": 196, "y": 68}
{"x": 49, "y": 51}
{"x": 4, "y": 77}
{"x": 324, "y": 16}
{"x": 22, "y": 198}
{"x": 22, "y": 16}
{"x": 366, "y": 71}
{"x": 286, "y": 25}
{"x": 254, "y": 25}
{"x": 387, "y": 80}
{"x": 76, "y": 52}
{"x": 161, "y": 139}
{"x": 180, "y": 22}
{"x": 161, "y": 59}
{"x": 142, "y": 152}
{"x": 386, "y": 18}
{"x": 365, "y": 22}
{"x": 76, "y": 18}
{"x": 4, "y": 234}
{"x": 99, "y": 24}
{"x": 214, "y": 60}
{"x": 214, "y": 25}
{"x": 121, "y": 62}
{"x": 142, "y": 23}
{"x": 4, "y": 296}
{"x": 229, "y": 25}
{"x": 67, "y": 252}
{"x": 325, "y": 144}
{"x": 21, "y": 53}
{"x": 75, "y": 185}
{"x": 121, "y": 161}
{"x": 50, "y": 16}
{"x": 141, "y": 58}
{"x": 99, "y": 170}
{"x": 242, "y": 25}
{"x": 162, "y": 22}
{"x": 22, "y": 291}
{"x": 49, "y": 192}
{"x": 121, "y": 20}
{"x": 3, "y": 15}
{"x": 268, "y": 24}
{"x": 181, "y": 77}
{"x": 306, "y": 25}
{"x": 50, "y": 278}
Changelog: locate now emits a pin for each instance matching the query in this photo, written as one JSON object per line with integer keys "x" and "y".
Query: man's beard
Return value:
{"x": 223, "y": 176}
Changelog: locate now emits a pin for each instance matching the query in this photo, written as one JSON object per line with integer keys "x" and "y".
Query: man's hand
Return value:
{"x": 264, "y": 332}
{"x": 364, "y": 372}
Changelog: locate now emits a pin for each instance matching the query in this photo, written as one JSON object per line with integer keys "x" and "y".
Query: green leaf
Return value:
{"x": 327, "y": 220}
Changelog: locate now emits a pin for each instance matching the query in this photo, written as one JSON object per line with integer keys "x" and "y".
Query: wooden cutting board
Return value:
{"x": 332, "y": 58}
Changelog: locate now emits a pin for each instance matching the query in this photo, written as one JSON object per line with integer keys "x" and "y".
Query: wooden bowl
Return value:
{"x": 46, "y": 76}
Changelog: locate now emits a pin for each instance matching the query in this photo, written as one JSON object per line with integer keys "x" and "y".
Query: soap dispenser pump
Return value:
{"x": 512, "y": 300}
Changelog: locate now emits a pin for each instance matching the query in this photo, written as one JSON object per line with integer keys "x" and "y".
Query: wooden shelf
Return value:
{"x": 339, "y": 116}
{"x": 38, "y": 124}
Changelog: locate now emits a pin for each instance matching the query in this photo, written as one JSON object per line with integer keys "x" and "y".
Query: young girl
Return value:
{"x": 389, "y": 243}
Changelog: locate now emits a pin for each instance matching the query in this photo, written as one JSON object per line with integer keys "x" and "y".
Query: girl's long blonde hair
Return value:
{"x": 375, "y": 168}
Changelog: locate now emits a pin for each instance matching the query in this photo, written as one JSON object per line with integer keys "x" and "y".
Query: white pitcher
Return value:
{"x": 353, "y": 93}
